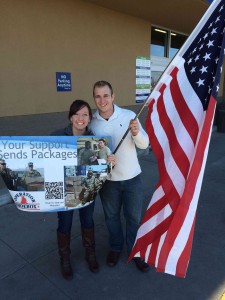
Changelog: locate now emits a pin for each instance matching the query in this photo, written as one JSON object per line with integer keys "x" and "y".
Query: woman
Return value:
{"x": 80, "y": 116}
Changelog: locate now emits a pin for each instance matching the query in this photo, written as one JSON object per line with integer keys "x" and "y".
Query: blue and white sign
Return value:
{"x": 63, "y": 82}
{"x": 52, "y": 173}
{"x": 143, "y": 78}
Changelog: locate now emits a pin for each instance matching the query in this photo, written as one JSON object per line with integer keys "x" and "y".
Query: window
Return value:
{"x": 165, "y": 43}
{"x": 176, "y": 42}
{"x": 159, "y": 42}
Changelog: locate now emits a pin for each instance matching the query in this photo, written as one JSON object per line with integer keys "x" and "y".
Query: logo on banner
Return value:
{"x": 24, "y": 200}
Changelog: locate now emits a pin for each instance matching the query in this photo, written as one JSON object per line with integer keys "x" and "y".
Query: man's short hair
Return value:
{"x": 87, "y": 143}
{"x": 102, "y": 140}
{"x": 102, "y": 83}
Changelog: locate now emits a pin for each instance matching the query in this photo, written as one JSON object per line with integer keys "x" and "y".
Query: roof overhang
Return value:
{"x": 178, "y": 15}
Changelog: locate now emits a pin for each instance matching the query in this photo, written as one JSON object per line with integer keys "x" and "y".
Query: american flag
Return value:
{"x": 179, "y": 124}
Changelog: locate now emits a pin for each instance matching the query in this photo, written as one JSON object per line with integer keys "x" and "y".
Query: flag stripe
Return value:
{"x": 182, "y": 135}
{"x": 186, "y": 115}
{"x": 183, "y": 260}
{"x": 155, "y": 208}
{"x": 167, "y": 182}
{"x": 158, "y": 194}
{"x": 166, "y": 163}
{"x": 176, "y": 150}
{"x": 156, "y": 220}
{"x": 150, "y": 236}
{"x": 151, "y": 258}
{"x": 179, "y": 123}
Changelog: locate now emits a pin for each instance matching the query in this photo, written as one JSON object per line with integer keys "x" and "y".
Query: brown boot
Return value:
{"x": 64, "y": 253}
{"x": 89, "y": 244}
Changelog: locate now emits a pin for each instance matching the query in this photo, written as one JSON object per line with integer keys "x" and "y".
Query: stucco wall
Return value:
{"x": 41, "y": 37}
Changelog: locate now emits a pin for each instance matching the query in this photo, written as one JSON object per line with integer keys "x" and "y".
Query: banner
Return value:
{"x": 53, "y": 173}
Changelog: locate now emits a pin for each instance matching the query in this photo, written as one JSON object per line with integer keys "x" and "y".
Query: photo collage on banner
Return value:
{"x": 54, "y": 173}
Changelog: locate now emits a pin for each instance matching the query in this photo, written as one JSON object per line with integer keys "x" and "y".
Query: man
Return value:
{"x": 87, "y": 155}
{"x": 88, "y": 188}
{"x": 31, "y": 172}
{"x": 98, "y": 182}
{"x": 124, "y": 188}
{"x": 28, "y": 177}
{"x": 104, "y": 151}
{"x": 8, "y": 175}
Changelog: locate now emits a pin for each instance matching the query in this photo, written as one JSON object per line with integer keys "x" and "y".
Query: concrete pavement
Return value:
{"x": 29, "y": 263}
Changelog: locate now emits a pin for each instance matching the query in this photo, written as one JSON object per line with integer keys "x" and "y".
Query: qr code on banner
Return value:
{"x": 54, "y": 190}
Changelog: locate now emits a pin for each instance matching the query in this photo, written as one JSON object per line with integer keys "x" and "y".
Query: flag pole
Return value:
{"x": 137, "y": 115}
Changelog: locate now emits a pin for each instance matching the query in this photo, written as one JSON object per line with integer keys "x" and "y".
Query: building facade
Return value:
{"x": 89, "y": 40}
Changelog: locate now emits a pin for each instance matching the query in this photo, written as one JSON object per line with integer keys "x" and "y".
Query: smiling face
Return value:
{"x": 104, "y": 101}
{"x": 80, "y": 120}
{"x": 101, "y": 144}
